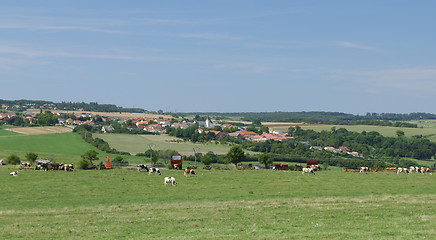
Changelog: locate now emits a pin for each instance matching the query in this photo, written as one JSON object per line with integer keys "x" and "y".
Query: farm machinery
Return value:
{"x": 176, "y": 162}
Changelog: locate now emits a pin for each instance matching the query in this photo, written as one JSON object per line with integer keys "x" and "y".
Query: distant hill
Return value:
{"x": 73, "y": 106}
{"x": 324, "y": 117}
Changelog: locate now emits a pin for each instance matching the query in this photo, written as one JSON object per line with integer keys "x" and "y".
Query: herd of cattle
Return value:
{"x": 167, "y": 180}
{"x": 422, "y": 170}
{"x": 45, "y": 165}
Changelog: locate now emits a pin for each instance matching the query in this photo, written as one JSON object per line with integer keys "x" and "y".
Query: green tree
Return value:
{"x": 400, "y": 133}
{"x": 90, "y": 155}
{"x": 31, "y": 157}
{"x": 118, "y": 159}
{"x": 153, "y": 155}
{"x": 206, "y": 159}
{"x": 235, "y": 155}
{"x": 265, "y": 159}
{"x": 13, "y": 159}
{"x": 47, "y": 119}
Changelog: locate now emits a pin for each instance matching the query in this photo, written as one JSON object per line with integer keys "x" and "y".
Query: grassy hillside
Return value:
{"x": 139, "y": 143}
{"x": 233, "y": 204}
{"x": 63, "y": 147}
{"x": 430, "y": 132}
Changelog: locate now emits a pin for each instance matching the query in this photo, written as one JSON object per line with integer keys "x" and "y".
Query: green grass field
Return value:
{"x": 63, "y": 147}
{"x": 139, "y": 143}
{"x": 429, "y": 132}
{"x": 4, "y": 132}
{"x": 216, "y": 204}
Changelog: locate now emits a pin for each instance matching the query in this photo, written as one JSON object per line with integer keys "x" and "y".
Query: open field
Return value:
{"x": 385, "y": 131}
{"x": 40, "y": 130}
{"x": 4, "y": 131}
{"x": 232, "y": 204}
{"x": 139, "y": 143}
{"x": 62, "y": 147}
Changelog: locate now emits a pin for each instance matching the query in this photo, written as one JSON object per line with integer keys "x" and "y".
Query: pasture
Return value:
{"x": 62, "y": 147}
{"x": 216, "y": 204}
{"x": 5, "y": 131}
{"x": 139, "y": 143}
{"x": 429, "y": 132}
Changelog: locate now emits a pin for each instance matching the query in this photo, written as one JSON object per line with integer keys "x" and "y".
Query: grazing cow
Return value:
{"x": 315, "y": 167}
{"x": 403, "y": 170}
{"x": 2, "y": 162}
{"x": 413, "y": 169}
{"x": 153, "y": 170}
{"x": 68, "y": 167}
{"x": 425, "y": 170}
{"x": 189, "y": 172}
{"x": 25, "y": 164}
{"x": 42, "y": 166}
{"x": 170, "y": 180}
{"x": 364, "y": 169}
{"x": 308, "y": 171}
{"x": 142, "y": 167}
{"x": 13, "y": 174}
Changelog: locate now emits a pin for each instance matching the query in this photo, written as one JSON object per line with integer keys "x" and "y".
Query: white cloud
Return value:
{"x": 354, "y": 45}
{"x": 245, "y": 67}
{"x": 208, "y": 36}
{"x": 415, "y": 81}
{"x": 29, "y": 53}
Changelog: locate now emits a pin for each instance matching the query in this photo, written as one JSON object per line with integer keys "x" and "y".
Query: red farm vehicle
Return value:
{"x": 176, "y": 162}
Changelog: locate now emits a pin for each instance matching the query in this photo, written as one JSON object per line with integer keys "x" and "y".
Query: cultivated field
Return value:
{"x": 139, "y": 143}
{"x": 217, "y": 204}
{"x": 40, "y": 130}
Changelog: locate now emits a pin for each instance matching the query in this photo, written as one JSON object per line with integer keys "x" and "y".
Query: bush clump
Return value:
{"x": 13, "y": 159}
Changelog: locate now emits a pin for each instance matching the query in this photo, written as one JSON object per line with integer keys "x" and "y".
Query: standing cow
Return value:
{"x": 364, "y": 169}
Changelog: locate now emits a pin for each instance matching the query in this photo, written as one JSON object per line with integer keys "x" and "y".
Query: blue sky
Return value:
{"x": 223, "y": 56}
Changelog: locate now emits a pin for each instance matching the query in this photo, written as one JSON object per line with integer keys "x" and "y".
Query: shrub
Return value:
{"x": 13, "y": 159}
{"x": 31, "y": 157}
{"x": 84, "y": 164}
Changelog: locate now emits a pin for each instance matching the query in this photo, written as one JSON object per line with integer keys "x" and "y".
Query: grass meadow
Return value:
{"x": 429, "y": 132}
{"x": 139, "y": 143}
{"x": 4, "y": 132}
{"x": 216, "y": 204}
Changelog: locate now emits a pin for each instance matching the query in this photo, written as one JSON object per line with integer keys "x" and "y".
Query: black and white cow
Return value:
{"x": 153, "y": 170}
{"x": 13, "y": 174}
{"x": 142, "y": 167}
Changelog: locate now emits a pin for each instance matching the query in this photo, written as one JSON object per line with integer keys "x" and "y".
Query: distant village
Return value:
{"x": 158, "y": 125}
